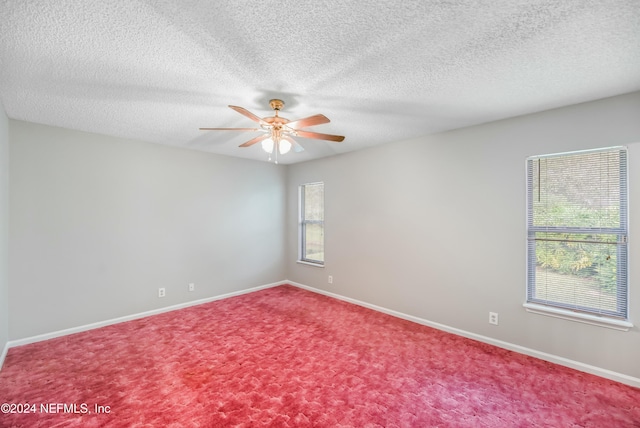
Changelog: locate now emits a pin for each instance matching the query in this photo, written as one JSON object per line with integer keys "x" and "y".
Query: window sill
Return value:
{"x": 303, "y": 262}
{"x": 578, "y": 317}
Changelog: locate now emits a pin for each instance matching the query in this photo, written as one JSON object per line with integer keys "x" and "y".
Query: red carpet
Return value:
{"x": 286, "y": 357}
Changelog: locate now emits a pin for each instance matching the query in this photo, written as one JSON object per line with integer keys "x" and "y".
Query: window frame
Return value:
{"x": 617, "y": 320}
{"x": 302, "y": 225}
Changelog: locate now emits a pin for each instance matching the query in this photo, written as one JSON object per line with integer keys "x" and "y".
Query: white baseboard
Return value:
{"x": 607, "y": 374}
{"x": 59, "y": 333}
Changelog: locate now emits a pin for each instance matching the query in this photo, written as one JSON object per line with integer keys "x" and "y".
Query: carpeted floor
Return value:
{"x": 286, "y": 357}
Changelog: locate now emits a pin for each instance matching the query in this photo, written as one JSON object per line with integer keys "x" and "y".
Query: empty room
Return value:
{"x": 320, "y": 214}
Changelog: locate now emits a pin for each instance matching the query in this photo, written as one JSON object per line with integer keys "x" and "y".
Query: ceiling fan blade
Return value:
{"x": 319, "y": 136}
{"x": 247, "y": 113}
{"x": 317, "y": 119}
{"x": 230, "y": 129}
{"x": 255, "y": 140}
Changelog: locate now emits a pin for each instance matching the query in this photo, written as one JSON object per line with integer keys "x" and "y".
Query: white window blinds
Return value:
{"x": 312, "y": 223}
{"x": 577, "y": 231}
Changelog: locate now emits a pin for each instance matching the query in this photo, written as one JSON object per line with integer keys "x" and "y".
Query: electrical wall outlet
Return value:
{"x": 192, "y": 286}
{"x": 493, "y": 318}
{"x": 330, "y": 279}
{"x": 161, "y": 292}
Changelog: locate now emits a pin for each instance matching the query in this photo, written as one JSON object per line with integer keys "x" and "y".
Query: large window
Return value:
{"x": 577, "y": 232}
{"x": 312, "y": 223}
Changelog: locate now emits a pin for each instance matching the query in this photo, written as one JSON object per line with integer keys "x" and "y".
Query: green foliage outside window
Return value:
{"x": 586, "y": 255}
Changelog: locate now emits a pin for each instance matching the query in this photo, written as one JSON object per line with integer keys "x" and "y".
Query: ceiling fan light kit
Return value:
{"x": 278, "y": 132}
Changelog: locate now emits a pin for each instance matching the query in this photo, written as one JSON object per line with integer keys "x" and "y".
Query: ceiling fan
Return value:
{"x": 277, "y": 132}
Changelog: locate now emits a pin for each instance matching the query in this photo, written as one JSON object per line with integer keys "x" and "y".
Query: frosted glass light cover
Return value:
{"x": 284, "y": 146}
{"x": 267, "y": 145}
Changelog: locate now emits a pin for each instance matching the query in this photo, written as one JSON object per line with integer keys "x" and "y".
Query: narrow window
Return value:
{"x": 577, "y": 231}
{"x": 312, "y": 223}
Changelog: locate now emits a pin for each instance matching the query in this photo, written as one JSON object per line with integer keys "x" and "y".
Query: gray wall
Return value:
{"x": 4, "y": 229}
{"x": 98, "y": 224}
{"x": 435, "y": 227}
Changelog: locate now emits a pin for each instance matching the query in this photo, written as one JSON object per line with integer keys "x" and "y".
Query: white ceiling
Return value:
{"x": 157, "y": 70}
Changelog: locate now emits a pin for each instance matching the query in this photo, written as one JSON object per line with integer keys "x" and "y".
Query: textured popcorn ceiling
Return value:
{"x": 382, "y": 71}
